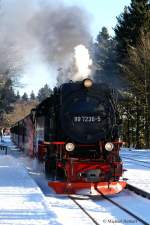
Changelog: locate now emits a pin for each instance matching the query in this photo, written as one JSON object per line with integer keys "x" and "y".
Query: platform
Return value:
{"x": 21, "y": 200}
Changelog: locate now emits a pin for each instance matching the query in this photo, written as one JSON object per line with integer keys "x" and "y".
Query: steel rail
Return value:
{"x": 138, "y": 162}
{"x": 122, "y": 208}
{"x": 93, "y": 220}
{"x": 138, "y": 191}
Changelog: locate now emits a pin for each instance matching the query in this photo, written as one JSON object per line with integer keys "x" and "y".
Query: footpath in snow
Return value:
{"x": 21, "y": 200}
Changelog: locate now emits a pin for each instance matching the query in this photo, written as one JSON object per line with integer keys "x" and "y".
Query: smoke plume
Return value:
{"x": 80, "y": 67}
{"x": 40, "y": 30}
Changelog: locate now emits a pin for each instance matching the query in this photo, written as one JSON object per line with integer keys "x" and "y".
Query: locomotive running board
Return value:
{"x": 104, "y": 188}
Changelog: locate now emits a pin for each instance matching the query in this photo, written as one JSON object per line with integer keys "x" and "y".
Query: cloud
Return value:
{"x": 51, "y": 30}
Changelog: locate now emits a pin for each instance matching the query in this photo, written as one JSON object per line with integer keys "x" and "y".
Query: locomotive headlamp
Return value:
{"x": 109, "y": 146}
{"x": 70, "y": 147}
{"x": 87, "y": 83}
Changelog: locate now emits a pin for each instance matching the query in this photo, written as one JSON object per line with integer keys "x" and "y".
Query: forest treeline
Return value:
{"x": 14, "y": 107}
{"x": 121, "y": 61}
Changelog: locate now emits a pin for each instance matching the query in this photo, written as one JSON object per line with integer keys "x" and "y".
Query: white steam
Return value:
{"x": 83, "y": 63}
{"x": 80, "y": 66}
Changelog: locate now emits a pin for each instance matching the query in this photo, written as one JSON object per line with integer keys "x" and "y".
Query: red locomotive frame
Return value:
{"x": 75, "y": 166}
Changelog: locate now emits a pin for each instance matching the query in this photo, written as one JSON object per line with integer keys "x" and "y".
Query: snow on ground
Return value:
{"x": 134, "y": 203}
{"x": 22, "y": 201}
{"x": 138, "y": 173}
{"x": 68, "y": 212}
{"x": 138, "y": 154}
{"x": 105, "y": 212}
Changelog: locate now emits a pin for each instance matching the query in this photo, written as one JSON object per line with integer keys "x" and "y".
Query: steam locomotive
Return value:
{"x": 75, "y": 133}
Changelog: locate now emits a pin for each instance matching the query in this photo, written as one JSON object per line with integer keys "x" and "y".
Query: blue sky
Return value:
{"x": 102, "y": 13}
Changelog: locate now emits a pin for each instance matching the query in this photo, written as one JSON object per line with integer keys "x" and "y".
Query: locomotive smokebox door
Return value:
{"x": 87, "y": 115}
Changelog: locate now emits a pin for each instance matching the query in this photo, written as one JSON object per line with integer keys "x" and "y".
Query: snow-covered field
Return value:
{"x": 137, "y": 164}
{"x": 25, "y": 197}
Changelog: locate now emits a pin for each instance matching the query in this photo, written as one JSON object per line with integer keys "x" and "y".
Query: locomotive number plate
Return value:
{"x": 86, "y": 119}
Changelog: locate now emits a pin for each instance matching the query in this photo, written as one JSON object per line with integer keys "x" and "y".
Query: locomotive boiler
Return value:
{"x": 76, "y": 136}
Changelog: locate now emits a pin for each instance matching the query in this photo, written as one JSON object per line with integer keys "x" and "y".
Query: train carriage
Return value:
{"x": 22, "y": 134}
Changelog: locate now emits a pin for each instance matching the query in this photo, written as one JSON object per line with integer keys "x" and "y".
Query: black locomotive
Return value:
{"x": 75, "y": 133}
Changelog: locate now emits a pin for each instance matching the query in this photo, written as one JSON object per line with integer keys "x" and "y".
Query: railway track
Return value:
{"x": 119, "y": 208}
{"x": 84, "y": 210}
{"x": 113, "y": 202}
{"x": 138, "y": 191}
{"x": 84, "y": 204}
{"x": 147, "y": 164}
{"x": 125, "y": 210}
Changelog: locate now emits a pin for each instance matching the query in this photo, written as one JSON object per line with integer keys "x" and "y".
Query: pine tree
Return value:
{"x": 18, "y": 96}
{"x": 25, "y": 97}
{"x": 32, "y": 96}
{"x": 102, "y": 47}
{"x": 134, "y": 20}
{"x": 136, "y": 69}
{"x": 44, "y": 93}
{"x": 105, "y": 58}
{"x": 133, "y": 50}
{"x": 7, "y": 97}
